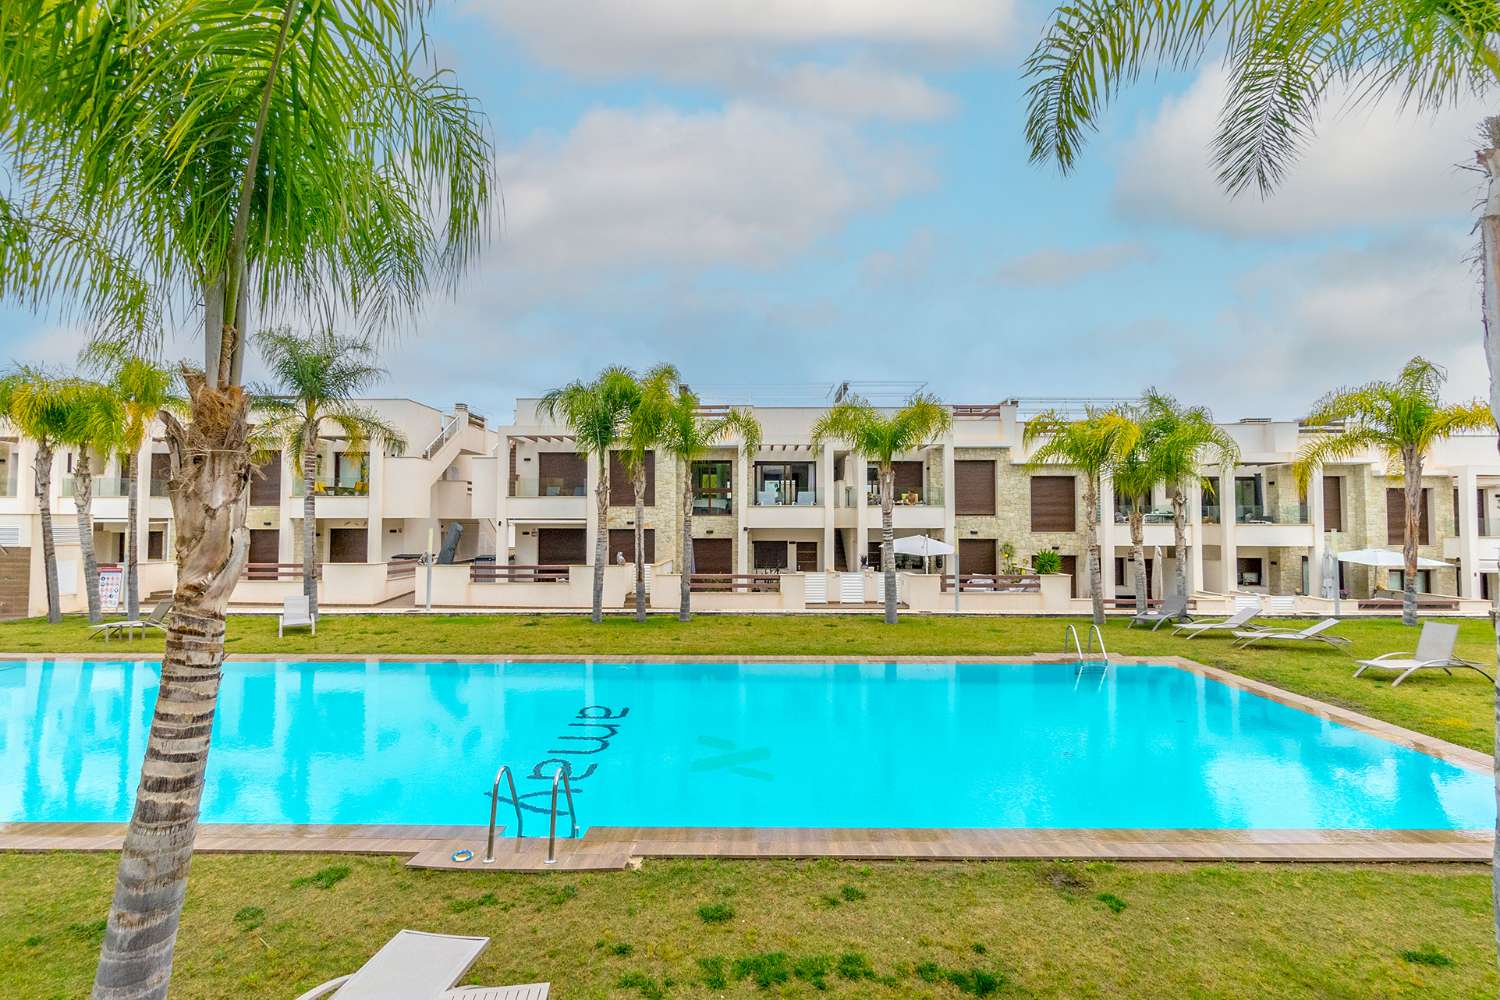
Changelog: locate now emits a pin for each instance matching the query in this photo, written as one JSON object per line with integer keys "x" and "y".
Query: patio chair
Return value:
{"x": 1173, "y": 607}
{"x": 1312, "y": 633}
{"x": 1434, "y": 652}
{"x": 418, "y": 966}
{"x": 157, "y": 619}
{"x": 1234, "y": 622}
{"x": 295, "y": 613}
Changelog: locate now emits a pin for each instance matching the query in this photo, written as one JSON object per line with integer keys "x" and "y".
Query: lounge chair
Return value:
{"x": 1313, "y": 633}
{"x": 417, "y": 966}
{"x": 295, "y": 613}
{"x": 1234, "y": 622}
{"x": 157, "y": 619}
{"x": 1434, "y": 652}
{"x": 1173, "y": 607}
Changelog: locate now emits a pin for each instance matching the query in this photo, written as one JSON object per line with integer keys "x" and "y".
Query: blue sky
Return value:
{"x": 778, "y": 193}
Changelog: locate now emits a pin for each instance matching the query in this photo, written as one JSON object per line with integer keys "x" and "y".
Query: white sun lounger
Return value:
{"x": 1236, "y": 621}
{"x": 1434, "y": 652}
{"x": 417, "y": 966}
{"x": 157, "y": 619}
{"x": 295, "y": 612}
{"x": 1313, "y": 633}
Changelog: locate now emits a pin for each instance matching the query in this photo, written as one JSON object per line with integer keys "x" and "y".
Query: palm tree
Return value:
{"x": 594, "y": 412}
{"x": 314, "y": 380}
{"x": 1094, "y": 446}
{"x": 143, "y": 388}
{"x": 282, "y": 153}
{"x": 645, "y": 422}
{"x": 36, "y": 403}
{"x": 686, "y": 436}
{"x": 1135, "y": 475}
{"x": 1182, "y": 440}
{"x": 94, "y": 418}
{"x": 880, "y": 438}
{"x": 1403, "y": 420}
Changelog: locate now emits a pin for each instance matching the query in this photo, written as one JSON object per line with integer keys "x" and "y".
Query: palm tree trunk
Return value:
{"x": 601, "y": 537}
{"x": 1412, "y": 467}
{"x": 310, "y": 523}
{"x": 1138, "y": 556}
{"x": 686, "y": 569}
{"x": 1096, "y": 575}
{"x": 1489, "y": 233}
{"x": 210, "y": 472}
{"x": 42, "y": 466}
{"x": 638, "y": 481}
{"x": 83, "y": 499}
{"x": 888, "y": 538}
{"x": 132, "y": 550}
{"x": 1179, "y": 545}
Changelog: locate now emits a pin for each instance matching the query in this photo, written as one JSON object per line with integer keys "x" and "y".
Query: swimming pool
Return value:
{"x": 798, "y": 744}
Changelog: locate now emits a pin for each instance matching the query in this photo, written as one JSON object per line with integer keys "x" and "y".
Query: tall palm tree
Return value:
{"x": 95, "y": 418}
{"x": 1403, "y": 420}
{"x": 1095, "y": 446}
{"x": 36, "y": 403}
{"x": 1135, "y": 476}
{"x": 1182, "y": 439}
{"x": 314, "y": 381}
{"x": 880, "y": 438}
{"x": 234, "y": 152}
{"x": 687, "y": 436}
{"x": 144, "y": 388}
{"x": 594, "y": 412}
{"x": 645, "y": 422}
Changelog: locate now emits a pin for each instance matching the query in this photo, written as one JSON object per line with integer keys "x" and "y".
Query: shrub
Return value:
{"x": 1046, "y": 561}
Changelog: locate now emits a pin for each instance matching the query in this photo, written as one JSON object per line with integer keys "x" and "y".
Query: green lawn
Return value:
{"x": 881, "y": 930}
{"x": 1458, "y": 708}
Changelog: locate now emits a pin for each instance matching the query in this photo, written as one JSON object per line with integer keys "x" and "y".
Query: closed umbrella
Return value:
{"x": 1156, "y": 573}
{"x": 1331, "y": 578}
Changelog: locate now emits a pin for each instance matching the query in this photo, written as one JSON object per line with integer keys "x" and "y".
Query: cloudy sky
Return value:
{"x": 777, "y": 193}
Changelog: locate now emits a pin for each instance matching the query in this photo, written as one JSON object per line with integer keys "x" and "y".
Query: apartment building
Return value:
{"x": 371, "y": 510}
{"x": 514, "y": 504}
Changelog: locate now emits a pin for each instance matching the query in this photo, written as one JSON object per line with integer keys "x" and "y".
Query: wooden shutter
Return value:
{"x": 569, "y": 467}
{"x": 908, "y": 477}
{"x": 156, "y": 542}
{"x": 1052, "y": 507}
{"x": 265, "y": 545}
{"x": 621, "y": 493}
{"x": 1333, "y": 503}
{"x": 161, "y": 470}
{"x": 623, "y": 540}
{"x": 807, "y": 557}
{"x": 1395, "y": 517}
{"x": 974, "y": 488}
{"x": 265, "y": 484}
{"x": 770, "y": 555}
{"x": 976, "y": 555}
{"x": 713, "y": 555}
{"x": 562, "y": 546}
{"x": 348, "y": 545}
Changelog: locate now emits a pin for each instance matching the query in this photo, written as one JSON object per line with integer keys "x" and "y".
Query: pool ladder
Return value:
{"x": 1071, "y": 632}
{"x": 560, "y": 777}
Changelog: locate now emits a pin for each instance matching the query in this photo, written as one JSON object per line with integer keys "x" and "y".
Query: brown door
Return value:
{"x": 265, "y": 483}
{"x": 713, "y": 555}
{"x": 807, "y": 557}
{"x": 623, "y": 540}
{"x": 976, "y": 555}
{"x": 1333, "y": 503}
{"x": 769, "y": 555}
{"x": 1070, "y": 566}
{"x": 265, "y": 545}
{"x": 347, "y": 545}
{"x": 562, "y": 546}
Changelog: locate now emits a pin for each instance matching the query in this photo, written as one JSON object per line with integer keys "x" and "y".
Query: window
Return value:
{"x": 1333, "y": 503}
{"x": 621, "y": 490}
{"x": 1052, "y": 507}
{"x": 1249, "y": 501}
{"x": 1248, "y": 572}
{"x": 1424, "y": 580}
{"x": 1395, "y": 517}
{"x": 974, "y": 488}
{"x": 713, "y": 488}
{"x": 770, "y": 555}
{"x": 785, "y": 484}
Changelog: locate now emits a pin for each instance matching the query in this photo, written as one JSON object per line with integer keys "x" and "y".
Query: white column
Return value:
{"x": 1315, "y": 517}
{"x": 1106, "y": 536}
{"x": 503, "y": 530}
{"x": 862, "y": 509}
{"x": 1195, "y": 536}
{"x": 950, "y": 508}
{"x": 1468, "y": 532}
{"x": 744, "y": 489}
{"x": 374, "y": 506}
{"x": 142, "y": 473}
{"x": 827, "y": 487}
{"x": 1226, "y": 531}
{"x": 286, "y": 535}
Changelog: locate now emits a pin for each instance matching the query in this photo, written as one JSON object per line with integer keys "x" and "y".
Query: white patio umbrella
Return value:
{"x": 921, "y": 545}
{"x": 1331, "y": 578}
{"x": 1387, "y": 559}
{"x": 1156, "y": 573}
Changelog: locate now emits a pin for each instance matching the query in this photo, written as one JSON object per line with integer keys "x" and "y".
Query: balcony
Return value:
{"x": 325, "y": 487}
{"x": 549, "y": 487}
{"x": 785, "y": 493}
{"x": 1260, "y": 514}
{"x": 1256, "y": 524}
{"x": 783, "y": 504}
{"x": 105, "y": 487}
{"x": 926, "y": 496}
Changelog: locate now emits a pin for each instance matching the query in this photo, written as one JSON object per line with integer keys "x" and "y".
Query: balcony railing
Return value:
{"x": 328, "y": 488}
{"x": 105, "y": 487}
{"x": 1210, "y": 513}
{"x": 1260, "y": 514}
{"x": 277, "y": 571}
{"x": 488, "y": 572}
{"x": 735, "y": 583}
{"x": 720, "y": 503}
{"x": 549, "y": 487}
{"x": 8, "y": 483}
{"x": 991, "y": 583}
{"x": 926, "y": 496}
{"x": 786, "y": 494}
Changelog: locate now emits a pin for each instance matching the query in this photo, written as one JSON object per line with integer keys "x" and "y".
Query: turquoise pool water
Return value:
{"x": 726, "y": 744}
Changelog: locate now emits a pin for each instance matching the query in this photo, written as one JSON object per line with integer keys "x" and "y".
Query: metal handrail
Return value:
{"x": 1070, "y": 629}
{"x": 447, "y": 431}
{"x": 489, "y": 847}
{"x": 1094, "y": 631}
{"x": 560, "y": 776}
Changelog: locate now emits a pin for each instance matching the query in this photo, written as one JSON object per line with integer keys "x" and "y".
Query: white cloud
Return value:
{"x": 1053, "y": 266}
{"x": 745, "y": 185}
{"x": 774, "y": 50}
{"x": 1365, "y": 165}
